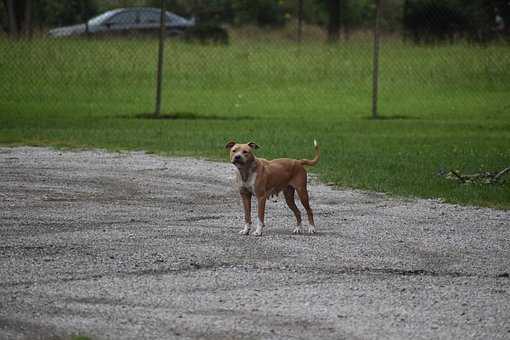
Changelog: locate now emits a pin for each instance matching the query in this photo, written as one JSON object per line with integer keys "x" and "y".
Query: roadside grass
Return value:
{"x": 445, "y": 107}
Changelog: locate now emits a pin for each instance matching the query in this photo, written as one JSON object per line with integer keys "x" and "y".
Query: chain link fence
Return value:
{"x": 433, "y": 60}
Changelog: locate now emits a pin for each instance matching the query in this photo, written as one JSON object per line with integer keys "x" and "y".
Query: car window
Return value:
{"x": 98, "y": 20}
{"x": 124, "y": 18}
{"x": 149, "y": 17}
{"x": 174, "y": 19}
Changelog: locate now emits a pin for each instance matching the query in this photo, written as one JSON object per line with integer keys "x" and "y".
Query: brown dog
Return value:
{"x": 263, "y": 178}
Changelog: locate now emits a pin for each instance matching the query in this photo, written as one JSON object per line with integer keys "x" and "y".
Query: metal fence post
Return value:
{"x": 160, "y": 58}
{"x": 375, "y": 74}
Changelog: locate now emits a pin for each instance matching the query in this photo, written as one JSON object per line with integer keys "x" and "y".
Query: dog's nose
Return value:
{"x": 237, "y": 158}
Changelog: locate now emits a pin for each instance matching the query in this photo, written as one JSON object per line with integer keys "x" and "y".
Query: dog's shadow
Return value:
{"x": 288, "y": 232}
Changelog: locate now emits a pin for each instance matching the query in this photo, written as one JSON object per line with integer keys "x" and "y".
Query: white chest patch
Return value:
{"x": 249, "y": 184}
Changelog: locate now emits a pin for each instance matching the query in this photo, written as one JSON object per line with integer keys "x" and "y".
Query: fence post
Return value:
{"x": 161, "y": 48}
{"x": 375, "y": 74}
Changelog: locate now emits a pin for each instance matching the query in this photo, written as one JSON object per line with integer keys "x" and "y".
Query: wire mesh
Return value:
{"x": 433, "y": 61}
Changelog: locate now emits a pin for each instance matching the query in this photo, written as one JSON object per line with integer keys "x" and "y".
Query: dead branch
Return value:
{"x": 501, "y": 173}
{"x": 483, "y": 177}
{"x": 461, "y": 178}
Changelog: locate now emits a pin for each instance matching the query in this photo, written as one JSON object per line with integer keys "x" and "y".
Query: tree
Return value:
{"x": 431, "y": 21}
{"x": 19, "y": 17}
{"x": 333, "y": 8}
{"x": 24, "y": 15}
{"x": 346, "y": 15}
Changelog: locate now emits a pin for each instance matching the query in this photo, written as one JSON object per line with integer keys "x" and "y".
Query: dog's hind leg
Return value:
{"x": 303, "y": 197}
{"x": 289, "y": 199}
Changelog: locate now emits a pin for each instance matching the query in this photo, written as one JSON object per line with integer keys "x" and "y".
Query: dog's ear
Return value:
{"x": 253, "y": 145}
{"x": 230, "y": 144}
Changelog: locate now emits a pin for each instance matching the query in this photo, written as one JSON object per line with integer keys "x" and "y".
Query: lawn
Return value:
{"x": 444, "y": 107}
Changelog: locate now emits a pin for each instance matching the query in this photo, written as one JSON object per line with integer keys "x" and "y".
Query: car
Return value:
{"x": 125, "y": 21}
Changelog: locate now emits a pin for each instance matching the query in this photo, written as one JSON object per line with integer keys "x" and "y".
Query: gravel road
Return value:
{"x": 133, "y": 246}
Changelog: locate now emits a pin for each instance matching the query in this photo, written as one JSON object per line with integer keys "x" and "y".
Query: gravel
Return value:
{"x": 132, "y": 246}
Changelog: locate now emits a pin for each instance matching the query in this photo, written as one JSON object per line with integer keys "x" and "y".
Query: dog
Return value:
{"x": 263, "y": 178}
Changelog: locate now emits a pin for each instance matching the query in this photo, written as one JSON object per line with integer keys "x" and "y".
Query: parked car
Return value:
{"x": 123, "y": 21}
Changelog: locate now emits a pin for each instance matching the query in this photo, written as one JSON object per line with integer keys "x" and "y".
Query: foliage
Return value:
{"x": 48, "y": 13}
{"x": 431, "y": 21}
{"x": 237, "y": 12}
{"x": 60, "y": 13}
{"x": 428, "y": 21}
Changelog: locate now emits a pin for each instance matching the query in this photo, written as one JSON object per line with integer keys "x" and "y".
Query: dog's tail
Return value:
{"x": 313, "y": 161}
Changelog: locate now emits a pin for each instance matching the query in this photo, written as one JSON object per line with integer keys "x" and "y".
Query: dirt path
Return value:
{"x": 132, "y": 246}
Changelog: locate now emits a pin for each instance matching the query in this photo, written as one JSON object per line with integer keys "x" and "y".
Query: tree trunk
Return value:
{"x": 27, "y": 25}
{"x": 5, "y": 25}
{"x": 334, "y": 20}
{"x": 13, "y": 31}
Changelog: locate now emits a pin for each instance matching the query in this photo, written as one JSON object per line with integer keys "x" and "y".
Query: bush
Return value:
{"x": 207, "y": 33}
{"x": 431, "y": 21}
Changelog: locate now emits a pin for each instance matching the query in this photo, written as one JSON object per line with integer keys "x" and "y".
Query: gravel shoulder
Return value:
{"x": 133, "y": 246}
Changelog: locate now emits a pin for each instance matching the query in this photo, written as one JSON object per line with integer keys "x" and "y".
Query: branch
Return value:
{"x": 501, "y": 173}
{"x": 461, "y": 178}
{"x": 483, "y": 177}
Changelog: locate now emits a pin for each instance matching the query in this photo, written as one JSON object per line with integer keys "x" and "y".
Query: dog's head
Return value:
{"x": 241, "y": 154}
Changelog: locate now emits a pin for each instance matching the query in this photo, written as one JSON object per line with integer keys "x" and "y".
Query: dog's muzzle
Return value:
{"x": 238, "y": 160}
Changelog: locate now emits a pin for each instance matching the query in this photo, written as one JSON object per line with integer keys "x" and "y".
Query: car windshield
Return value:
{"x": 101, "y": 18}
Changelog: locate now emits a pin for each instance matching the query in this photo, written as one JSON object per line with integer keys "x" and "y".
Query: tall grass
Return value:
{"x": 449, "y": 106}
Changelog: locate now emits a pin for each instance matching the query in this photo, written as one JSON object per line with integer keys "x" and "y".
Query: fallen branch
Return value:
{"x": 501, "y": 173}
{"x": 483, "y": 177}
{"x": 460, "y": 177}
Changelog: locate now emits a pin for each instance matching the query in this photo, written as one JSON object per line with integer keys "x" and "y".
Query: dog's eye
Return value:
{"x": 245, "y": 152}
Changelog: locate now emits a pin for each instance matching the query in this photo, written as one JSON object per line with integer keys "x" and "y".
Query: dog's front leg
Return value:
{"x": 246, "y": 198}
{"x": 261, "y": 208}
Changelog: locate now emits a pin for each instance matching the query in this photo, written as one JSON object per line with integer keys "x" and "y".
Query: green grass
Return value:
{"x": 450, "y": 106}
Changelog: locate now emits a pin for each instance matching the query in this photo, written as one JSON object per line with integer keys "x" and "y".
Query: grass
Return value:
{"x": 446, "y": 107}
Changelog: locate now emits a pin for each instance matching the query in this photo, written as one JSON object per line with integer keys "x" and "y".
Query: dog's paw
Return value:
{"x": 297, "y": 230}
{"x": 246, "y": 229}
{"x": 257, "y": 233}
{"x": 311, "y": 230}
